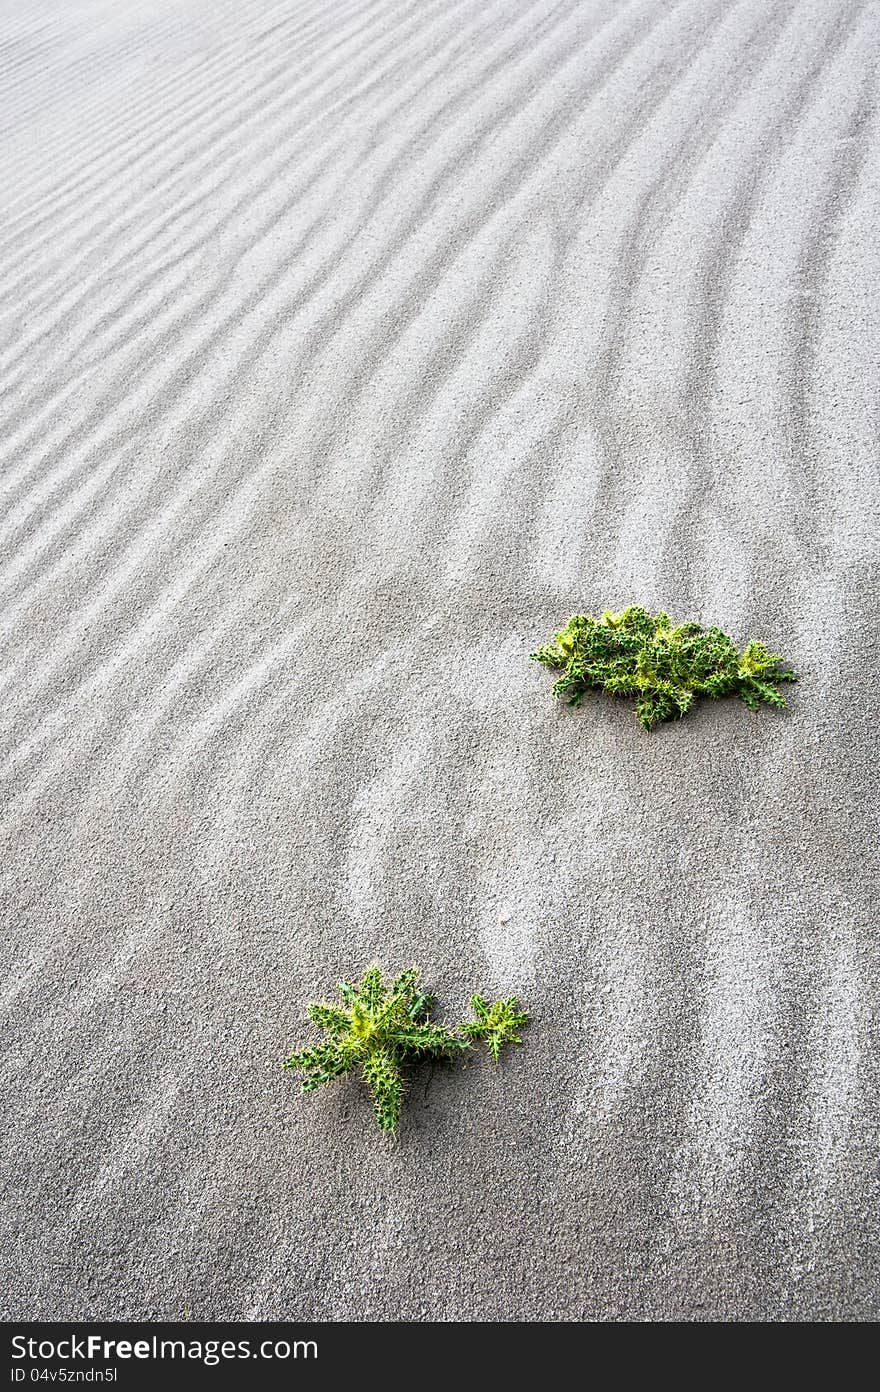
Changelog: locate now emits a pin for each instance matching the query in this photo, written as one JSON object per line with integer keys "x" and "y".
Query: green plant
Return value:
{"x": 664, "y": 666}
{"x": 379, "y": 1030}
{"x": 496, "y": 1024}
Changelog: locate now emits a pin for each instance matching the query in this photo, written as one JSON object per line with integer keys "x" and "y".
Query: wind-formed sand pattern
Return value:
{"x": 347, "y": 348}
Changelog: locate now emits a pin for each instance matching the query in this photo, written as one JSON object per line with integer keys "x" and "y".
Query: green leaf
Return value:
{"x": 371, "y": 990}
{"x": 420, "y": 1006}
{"x": 328, "y": 1017}
{"x": 435, "y": 1040}
{"x": 480, "y": 1007}
{"x": 320, "y": 1064}
{"x": 383, "y": 1078}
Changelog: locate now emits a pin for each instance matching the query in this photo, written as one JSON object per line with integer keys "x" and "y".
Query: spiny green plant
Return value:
{"x": 379, "y": 1029}
{"x": 664, "y": 666}
{"x": 496, "y": 1024}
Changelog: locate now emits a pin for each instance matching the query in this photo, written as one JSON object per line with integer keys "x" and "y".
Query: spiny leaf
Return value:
{"x": 436, "y": 1040}
{"x": 329, "y": 1017}
{"x": 320, "y": 1064}
{"x": 405, "y": 982}
{"x": 371, "y": 990}
{"x": 420, "y": 1006}
{"x": 480, "y": 1007}
{"x": 382, "y": 1076}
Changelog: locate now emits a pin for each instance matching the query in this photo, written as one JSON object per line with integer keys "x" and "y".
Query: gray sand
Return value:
{"x": 346, "y": 349}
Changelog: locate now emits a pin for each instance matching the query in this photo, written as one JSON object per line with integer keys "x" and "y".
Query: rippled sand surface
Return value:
{"x": 345, "y": 349}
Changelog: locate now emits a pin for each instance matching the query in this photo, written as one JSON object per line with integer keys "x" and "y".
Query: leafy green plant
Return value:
{"x": 664, "y": 666}
{"x": 378, "y": 1030}
{"x": 496, "y": 1024}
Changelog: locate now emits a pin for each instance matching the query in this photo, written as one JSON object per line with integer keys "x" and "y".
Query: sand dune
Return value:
{"x": 345, "y": 349}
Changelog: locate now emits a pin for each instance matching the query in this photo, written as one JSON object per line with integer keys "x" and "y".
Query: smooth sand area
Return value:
{"x": 346, "y": 349}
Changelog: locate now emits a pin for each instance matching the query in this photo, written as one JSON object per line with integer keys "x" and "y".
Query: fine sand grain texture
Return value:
{"x": 345, "y": 349}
